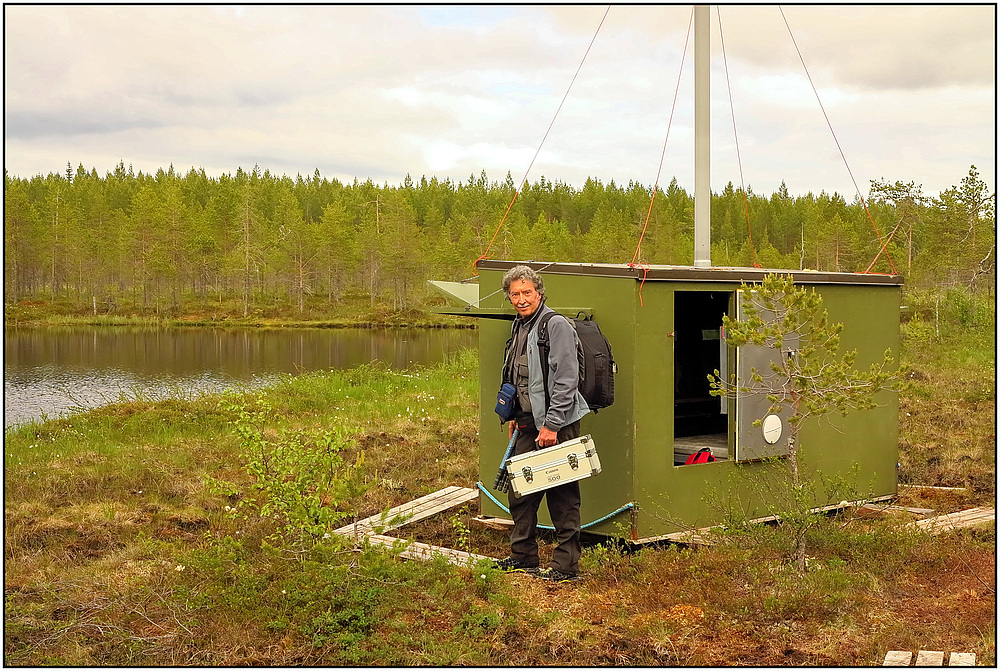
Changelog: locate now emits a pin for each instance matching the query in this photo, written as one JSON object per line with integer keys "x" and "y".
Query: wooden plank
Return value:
{"x": 947, "y": 489}
{"x": 897, "y": 658}
{"x": 692, "y": 536}
{"x": 454, "y": 498}
{"x": 823, "y": 509}
{"x": 689, "y": 536}
{"x": 425, "y": 552}
{"x": 695, "y": 536}
{"x": 958, "y": 520}
{"x": 930, "y": 658}
{"x": 962, "y": 659}
{"x": 413, "y": 511}
{"x": 498, "y": 523}
{"x": 897, "y": 509}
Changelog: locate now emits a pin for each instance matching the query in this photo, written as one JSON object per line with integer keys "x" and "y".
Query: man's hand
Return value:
{"x": 546, "y": 437}
{"x": 510, "y": 429}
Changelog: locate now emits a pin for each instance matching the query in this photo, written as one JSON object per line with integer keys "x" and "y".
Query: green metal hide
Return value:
{"x": 663, "y": 324}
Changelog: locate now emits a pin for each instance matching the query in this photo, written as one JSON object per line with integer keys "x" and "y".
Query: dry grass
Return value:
{"x": 947, "y": 418}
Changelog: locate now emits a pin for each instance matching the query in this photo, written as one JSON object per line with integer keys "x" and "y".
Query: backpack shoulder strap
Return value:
{"x": 543, "y": 327}
{"x": 543, "y": 350}
{"x": 505, "y": 374}
{"x": 510, "y": 340}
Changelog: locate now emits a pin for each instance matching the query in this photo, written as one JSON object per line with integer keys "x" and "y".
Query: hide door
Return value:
{"x": 759, "y": 433}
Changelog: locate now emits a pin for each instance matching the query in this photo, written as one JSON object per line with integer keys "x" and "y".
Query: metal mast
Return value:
{"x": 702, "y": 140}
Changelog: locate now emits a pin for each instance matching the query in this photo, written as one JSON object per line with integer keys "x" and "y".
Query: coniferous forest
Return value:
{"x": 257, "y": 239}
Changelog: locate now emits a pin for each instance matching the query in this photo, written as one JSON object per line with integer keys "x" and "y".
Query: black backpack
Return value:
{"x": 597, "y": 365}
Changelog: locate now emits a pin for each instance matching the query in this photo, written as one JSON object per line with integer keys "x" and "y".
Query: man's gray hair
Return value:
{"x": 523, "y": 273}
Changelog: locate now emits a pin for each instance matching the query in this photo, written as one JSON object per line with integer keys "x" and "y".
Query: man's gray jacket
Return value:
{"x": 566, "y": 403}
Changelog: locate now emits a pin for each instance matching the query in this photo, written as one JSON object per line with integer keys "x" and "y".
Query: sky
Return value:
{"x": 447, "y": 91}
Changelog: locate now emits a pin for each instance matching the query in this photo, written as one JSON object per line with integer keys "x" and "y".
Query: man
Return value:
{"x": 542, "y": 420}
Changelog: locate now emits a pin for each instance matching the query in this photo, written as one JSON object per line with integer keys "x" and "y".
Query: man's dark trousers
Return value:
{"x": 564, "y": 509}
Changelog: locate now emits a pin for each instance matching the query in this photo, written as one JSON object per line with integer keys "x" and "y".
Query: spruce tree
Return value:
{"x": 814, "y": 381}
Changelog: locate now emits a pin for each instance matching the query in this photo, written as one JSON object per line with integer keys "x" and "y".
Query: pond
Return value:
{"x": 54, "y": 371}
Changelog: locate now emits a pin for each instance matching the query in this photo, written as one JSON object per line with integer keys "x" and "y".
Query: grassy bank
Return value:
{"x": 947, "y": 418}
{"x": 193, "y": 532}
{"x": 351, "y": 312}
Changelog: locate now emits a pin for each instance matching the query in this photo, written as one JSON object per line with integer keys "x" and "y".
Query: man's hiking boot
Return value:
{"x": 510, "y": 564}
{"x": 555, "y": 575}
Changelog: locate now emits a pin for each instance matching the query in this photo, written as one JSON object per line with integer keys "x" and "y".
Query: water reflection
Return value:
{"x": 58, "y": 370}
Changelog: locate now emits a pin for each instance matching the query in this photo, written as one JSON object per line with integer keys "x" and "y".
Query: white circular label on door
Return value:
{"x": 772, "y": 429}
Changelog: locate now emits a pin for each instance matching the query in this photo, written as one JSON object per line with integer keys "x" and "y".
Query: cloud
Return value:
{"x": 19, "y": 125}
{"x": 869, "y": 48}
{"x": 381, "y": 91}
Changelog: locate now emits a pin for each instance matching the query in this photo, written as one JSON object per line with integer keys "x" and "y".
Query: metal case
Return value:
{"x": 573, "y": 460}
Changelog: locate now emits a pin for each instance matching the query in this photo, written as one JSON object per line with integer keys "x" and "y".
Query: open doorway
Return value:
{"x": 700, "y": 419}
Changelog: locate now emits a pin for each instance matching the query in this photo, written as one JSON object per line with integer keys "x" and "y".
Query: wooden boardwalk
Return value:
{"x": 688, "y": 536}
{"x": 414, "y": 511}
{"x": 963, "y": 518}
{"x": 372, "y": 529}
{"x": 425, "y": 552}
{"x": 701, "y": 537}
{"x": 928, "y": 658}
{"x": 877, "y": 508}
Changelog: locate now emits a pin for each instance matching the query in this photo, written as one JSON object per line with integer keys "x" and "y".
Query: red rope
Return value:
{"x": 496, "y": 232}
{"x": 891, "y": 235}
{"x": 643, "y": 233}
{"x": 538, "y": 151}
{"x": 645, "y": 271}
{"x": 736, "y": 136}
{"x": 656, "y": 182}
{"x": 885, "y": 243}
